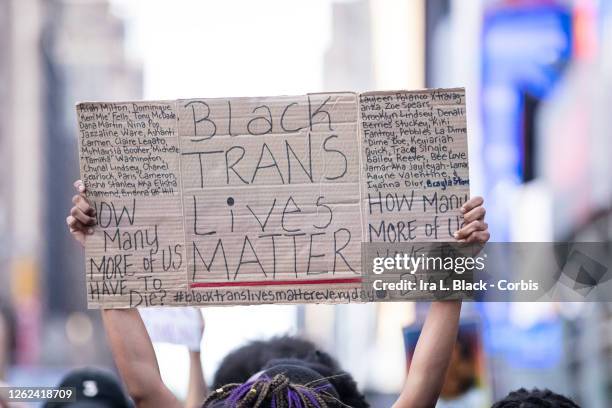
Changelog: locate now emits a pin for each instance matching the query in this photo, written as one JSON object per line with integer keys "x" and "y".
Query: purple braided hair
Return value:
{"x": 238, "y": 393}
{"x": 296, "y": 396}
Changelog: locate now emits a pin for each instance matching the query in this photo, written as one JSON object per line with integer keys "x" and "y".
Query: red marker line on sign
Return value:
{"x": 276, "y": 283}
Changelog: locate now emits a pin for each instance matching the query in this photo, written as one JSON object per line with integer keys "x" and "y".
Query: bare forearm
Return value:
{"x": 197, "y": 385}
{"x": 135, "y": 358}
{"x": 432, "y": 356}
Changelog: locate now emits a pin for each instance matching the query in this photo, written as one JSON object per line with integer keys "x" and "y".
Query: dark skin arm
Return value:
{"x": 439, "y": 334}
{"x": 127, "y": 335}
{"x": 431, "y": 356}
{"x": 135, "y": 359}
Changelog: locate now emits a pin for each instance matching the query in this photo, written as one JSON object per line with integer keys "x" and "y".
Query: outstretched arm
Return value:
{"x": 431, "y": 356}
{"x": 196, "y": 392}
{"x": 437, "y": 340}
{"x": 127, "y": 335}
{"x": 135, "y": 359}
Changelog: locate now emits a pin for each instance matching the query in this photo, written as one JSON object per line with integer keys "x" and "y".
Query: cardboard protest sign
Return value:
{"x": 264, "y": 200}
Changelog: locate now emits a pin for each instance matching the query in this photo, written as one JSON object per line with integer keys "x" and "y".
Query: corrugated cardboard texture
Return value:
{"x": 264, "y": 200}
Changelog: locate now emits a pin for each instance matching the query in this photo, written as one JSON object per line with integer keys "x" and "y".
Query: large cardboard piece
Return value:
{"x": 264, "y": 200}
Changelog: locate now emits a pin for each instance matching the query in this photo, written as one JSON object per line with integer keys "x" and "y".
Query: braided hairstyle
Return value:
{"x": 262, "y": 355}
{"x": 283, "y": 386}
{"x": 535, "y": 398}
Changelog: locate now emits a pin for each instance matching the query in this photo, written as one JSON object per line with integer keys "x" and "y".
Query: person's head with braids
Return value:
{"x": 535, "y": 398}
{"x": 284, "y": 385}
{"x": 244, "y": 363}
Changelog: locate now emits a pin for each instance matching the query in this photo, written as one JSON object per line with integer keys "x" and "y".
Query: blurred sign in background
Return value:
{"x": 539, "y": 86}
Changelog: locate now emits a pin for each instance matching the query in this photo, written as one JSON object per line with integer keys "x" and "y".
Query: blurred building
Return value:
{"x": 537, "y": 137}
{"x": 21, "y": 163}
{"x": 4, "y": 147}
{"x": 83, "y": 60}
{"x": 374, "y": 45}
{"x": 348, "y": 63}
{"x": 5, "y": 349}
{"x": 53, "y": 54}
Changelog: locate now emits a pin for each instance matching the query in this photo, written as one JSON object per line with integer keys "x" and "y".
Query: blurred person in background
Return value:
{"x": 461, "y": 385}
{"x": 3, "y": 403}
{"x": 286, "y": 382}
{"x": 7, "y": 345}
{"x": 7, "y": 339}
{"x": 93, "y": 387}
{"x": 535, "y": 398}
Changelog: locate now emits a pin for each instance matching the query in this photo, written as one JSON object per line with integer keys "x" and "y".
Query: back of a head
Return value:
{"x": 535, "y": 398}
{"x": 241, "y": 364}
{"x": 280, "y": 386}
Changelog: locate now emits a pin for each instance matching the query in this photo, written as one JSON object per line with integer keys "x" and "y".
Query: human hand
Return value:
{"x": 475, "y": 229}
{"x": 82, "y": 216}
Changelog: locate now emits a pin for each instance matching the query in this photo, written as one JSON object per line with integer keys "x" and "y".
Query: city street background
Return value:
{"x": 538, "y": 78}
